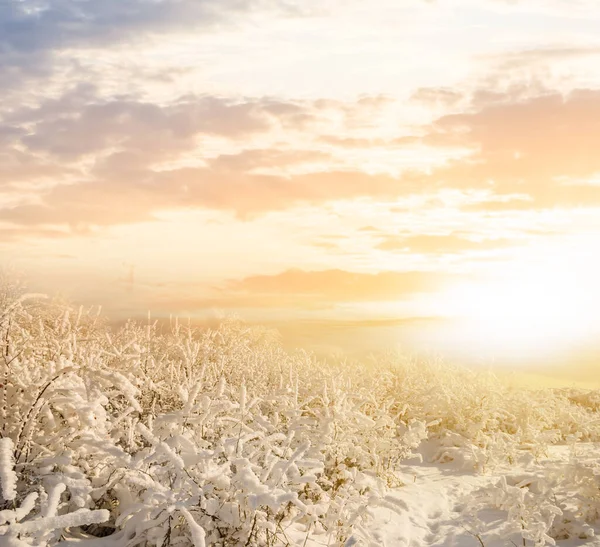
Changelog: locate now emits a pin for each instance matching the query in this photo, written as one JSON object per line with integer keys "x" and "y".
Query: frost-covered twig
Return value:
{"x": 8, "y": 477}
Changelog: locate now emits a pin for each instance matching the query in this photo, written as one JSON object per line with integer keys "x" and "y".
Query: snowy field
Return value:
{"x": 153, "y": 436}
{"x": 446, "y": 505}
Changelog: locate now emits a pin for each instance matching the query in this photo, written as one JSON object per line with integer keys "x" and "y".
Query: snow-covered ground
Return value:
{"x": 434, "y": 505}
{"x": 436, "y": 497}
{"x": 433, "y": 498}
{"x": 150, "y": 438}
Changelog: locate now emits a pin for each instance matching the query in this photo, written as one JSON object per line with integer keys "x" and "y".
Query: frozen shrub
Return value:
{"x": 185, "y": 437}
{"x": 156, "y": 435}
{"x": 530, "y": 511}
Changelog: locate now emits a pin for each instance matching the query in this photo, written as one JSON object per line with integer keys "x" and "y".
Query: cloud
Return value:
{"x": 540, "y": 149}
{"x": 31, "y": 25}
{"x": 513, "y": 60}
{"x": 137, "y": 195}
{"x": 523, "y": 203}
{"x": 508, "y": 77}
{"x": 34, "y": 34}
{"x": 527, "y": 154}
{"x": 350, "y": 142}
{"x": 19, "y": 171}
{"x": 9, "y": 234}
{"x": 533, "y": 147}
{"x": 339, "y": 284}
{"x": 440, "y": 244}
{"x": 328, "y": 245}
{"x": 364, "y": 143}
{"x": 249, "y": 160}
{"x": 80, "y": 123}
{"x": 437, "y": 96}
{"x": 300, "y": 289}
{"x": 103, "y": 159}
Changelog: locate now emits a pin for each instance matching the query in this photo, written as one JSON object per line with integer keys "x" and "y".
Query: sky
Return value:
{"x": 426, "y": 171}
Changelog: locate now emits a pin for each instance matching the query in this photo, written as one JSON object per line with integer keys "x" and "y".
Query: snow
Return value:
{"x": 431, "y": 508}
{"x": 77, "y": 518}
{"x": 51, "y": 508}
{"x": 431, "y": 503}
{"x": 434, "y": 501}
{"x": 221, "y": 437}
{"x": 198, "y": 533}
{"x": 8, "y": 478}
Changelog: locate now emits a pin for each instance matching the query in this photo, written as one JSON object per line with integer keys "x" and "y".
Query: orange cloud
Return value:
{"x": 124, "y": 141}
{"x": 297, "y": 289}
{"x": 305, "y": 288}
{"x": 534, "y": 148}
{"x": 440, "y": 244}
{"x": 540, "y": 149}
{"x": 137, "y": 195}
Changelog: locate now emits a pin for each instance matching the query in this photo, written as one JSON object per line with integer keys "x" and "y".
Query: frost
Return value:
{"x": 8, "y": 477}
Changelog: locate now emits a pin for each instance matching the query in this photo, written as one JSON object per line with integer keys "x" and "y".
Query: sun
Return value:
{"x": 531, "y": 309}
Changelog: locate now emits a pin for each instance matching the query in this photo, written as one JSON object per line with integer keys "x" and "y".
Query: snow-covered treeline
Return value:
{"x": 174, "y": 436}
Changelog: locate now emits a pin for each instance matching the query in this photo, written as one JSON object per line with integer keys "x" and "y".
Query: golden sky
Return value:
{"x": 325, "y": 161}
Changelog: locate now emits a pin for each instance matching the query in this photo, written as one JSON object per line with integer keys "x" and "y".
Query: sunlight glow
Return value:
{"x": 537, "y": 308}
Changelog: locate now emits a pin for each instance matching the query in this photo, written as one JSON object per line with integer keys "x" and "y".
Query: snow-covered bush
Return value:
{"x": 160, "y": 434}
{"x": 543, "y": 504}
{"x": 17, "y": 527}
{"x": 530, "y": 511}
{"x": 153, "y": 437}
{"x": 479, "y": 420}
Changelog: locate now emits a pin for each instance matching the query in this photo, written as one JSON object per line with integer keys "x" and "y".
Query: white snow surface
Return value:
{"x": 432, "y": 505}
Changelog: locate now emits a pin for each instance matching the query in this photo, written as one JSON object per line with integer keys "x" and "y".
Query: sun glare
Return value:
{"x": 534, "y": 310}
